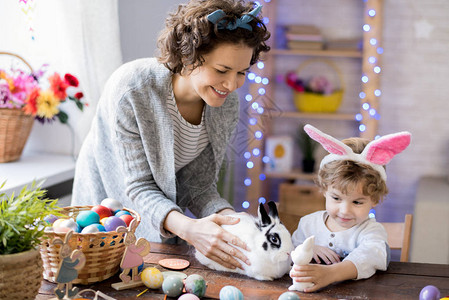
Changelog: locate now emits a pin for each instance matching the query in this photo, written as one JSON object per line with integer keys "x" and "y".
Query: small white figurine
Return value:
{"x": 302, "y": 255}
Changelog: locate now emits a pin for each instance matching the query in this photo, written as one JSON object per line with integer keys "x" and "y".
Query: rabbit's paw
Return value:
{"x": 265, "y": 278}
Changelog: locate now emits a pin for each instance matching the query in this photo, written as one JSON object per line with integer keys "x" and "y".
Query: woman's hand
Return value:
{"x": 208, "y": 237}
{"x": 326, "y": 254}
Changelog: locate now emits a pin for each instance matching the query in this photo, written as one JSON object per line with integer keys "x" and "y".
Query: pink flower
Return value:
{"x": 320, "y": 84}
{"x": 5, "y": 94}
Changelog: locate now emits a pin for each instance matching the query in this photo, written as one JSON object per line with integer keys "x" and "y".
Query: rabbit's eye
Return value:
{"x": 274, "y": 240}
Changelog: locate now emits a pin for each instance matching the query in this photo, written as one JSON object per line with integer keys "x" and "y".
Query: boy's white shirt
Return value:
{"x": 365, "y": 245}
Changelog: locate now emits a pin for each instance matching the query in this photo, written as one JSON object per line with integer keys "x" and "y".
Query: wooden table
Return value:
{"x": 400, "y": 281}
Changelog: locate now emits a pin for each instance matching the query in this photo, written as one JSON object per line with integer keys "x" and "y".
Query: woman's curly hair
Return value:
{"x": 188, "y": 35}
{"x": 347, "y": 175}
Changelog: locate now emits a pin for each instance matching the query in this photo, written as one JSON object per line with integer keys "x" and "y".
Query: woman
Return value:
{"x": 162, "y": 127}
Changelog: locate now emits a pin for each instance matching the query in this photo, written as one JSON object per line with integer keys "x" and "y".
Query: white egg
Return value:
{"x": 112, "y": 204}
{"x": 71, "y": 224}
{"x": 90, "y": 229}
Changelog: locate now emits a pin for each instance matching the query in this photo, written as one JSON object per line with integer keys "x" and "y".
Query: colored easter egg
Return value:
{"x": 152, "y": 278}
{"x": 69, "y": 223}
{"x": 288, "y": 296}
{"x": 230, "y": 292}
{"x": 174, "y": 273}
{"x": 172, "y": 286}
{"x": 50, "y": 218}
{"x": 121, "y": 213}
{"x": 102, "y": 211}
{"x": 99, "y": 226}
{"x": 57, "y": 222}
{"x": 61, "y": 229}
{"x": 127, "y": 219}
{"x": 429, "y": 292}
{"x": 114, "y": 205}
{"x": 87, "y": 217}
{"x": 90, "y": 229}
{"x": 195, "y": 284}
{"x": 111, "y": 223}
{"x": 188, "y": 297}
{"x": 102, "y": 221}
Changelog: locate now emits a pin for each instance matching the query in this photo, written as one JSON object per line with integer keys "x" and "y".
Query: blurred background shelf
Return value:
{"x": 326, "y": 53}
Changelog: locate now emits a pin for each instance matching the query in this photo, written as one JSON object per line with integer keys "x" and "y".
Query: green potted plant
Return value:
{"x": 307, "y": 147}
{"x": 22, "y": 225}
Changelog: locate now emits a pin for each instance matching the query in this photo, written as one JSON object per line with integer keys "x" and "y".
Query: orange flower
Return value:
{"x": 58, "y": 86}
{"x": 30, "y": 107}
{"x": 8, "y": 79}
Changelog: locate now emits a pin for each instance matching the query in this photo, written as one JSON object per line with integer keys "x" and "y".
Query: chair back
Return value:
{"x": 399, "y": 235}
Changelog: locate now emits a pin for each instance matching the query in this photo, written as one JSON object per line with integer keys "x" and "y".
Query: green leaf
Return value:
{"x": 63, "y": 117}
{"x": 79, "y": 104}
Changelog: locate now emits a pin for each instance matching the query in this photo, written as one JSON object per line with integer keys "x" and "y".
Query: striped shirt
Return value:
{"x": 189, "y": 140}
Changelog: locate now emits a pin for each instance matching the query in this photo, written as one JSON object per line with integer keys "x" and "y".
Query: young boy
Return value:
{"x": 353, "y": 180}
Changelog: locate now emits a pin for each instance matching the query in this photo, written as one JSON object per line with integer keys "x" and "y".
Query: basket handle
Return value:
{"x": 331, "y": 64}
{"x": 19, "y": 57}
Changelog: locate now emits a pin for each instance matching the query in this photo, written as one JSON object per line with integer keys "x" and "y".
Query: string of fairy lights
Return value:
{"x": 371, "y": 112}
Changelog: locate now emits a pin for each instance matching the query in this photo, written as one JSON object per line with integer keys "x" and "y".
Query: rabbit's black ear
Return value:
{"x": 263, "y": 216}
{"x": 273, "y": 211}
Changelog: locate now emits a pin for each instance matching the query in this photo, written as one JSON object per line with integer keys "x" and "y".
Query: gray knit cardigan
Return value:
{"x": 128, "y": 154}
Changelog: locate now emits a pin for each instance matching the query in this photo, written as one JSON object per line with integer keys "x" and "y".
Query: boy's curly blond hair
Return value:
{"x": 347, "y": 175}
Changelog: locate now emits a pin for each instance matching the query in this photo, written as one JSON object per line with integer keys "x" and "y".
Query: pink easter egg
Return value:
{"x": 127, "y": 219}
{"x": 188, "y": 297}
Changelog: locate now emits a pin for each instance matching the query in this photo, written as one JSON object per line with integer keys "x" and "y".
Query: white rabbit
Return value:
{"x": 302, "y": 255}
{"x": 269, "y": 241}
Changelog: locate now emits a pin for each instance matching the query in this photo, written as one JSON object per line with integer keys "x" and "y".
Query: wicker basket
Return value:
{"x": 15, "y": 127}
{"x": 21, "y": 275}
{"x": 103, "y": 250}
{"x": 313, "y": 102}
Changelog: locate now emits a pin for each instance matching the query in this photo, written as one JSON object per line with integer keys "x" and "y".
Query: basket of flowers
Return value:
{"x": 27, "y": 95}
{"x": 103, "y": 250}
{"x": 315, "y": 94}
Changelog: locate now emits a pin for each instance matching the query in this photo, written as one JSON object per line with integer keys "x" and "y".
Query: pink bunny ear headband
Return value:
{"x": 376, "y": 154}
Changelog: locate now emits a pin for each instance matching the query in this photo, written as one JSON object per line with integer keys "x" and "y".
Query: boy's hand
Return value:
{"x": 319, "y": 275}
{"x": 323, "y": 275}
{"x": 327, "y": 255}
